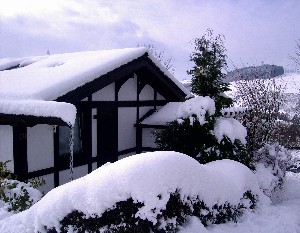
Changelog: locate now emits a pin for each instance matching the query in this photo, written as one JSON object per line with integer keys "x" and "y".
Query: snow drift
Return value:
{"x": 148, "y": 178}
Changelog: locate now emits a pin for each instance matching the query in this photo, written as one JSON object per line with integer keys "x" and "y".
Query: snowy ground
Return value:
{"x": 283, "y": 217}
{"x": 280, "y": 218}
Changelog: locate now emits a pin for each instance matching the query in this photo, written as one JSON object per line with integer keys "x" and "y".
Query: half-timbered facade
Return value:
{"x": 112, "y": 101}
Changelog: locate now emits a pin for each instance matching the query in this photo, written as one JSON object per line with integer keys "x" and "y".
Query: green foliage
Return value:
{"x": 207, "y": 74}
{"x": 15, "y": 193}
{"x": 219, "y": 214}
{"x": 17, "y": 202}
{"x": 191, "y": 139}
{"x": 122, "y": 217}
{"x": 199, "y": 142}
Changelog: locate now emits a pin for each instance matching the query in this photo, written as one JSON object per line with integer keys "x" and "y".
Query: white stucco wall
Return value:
{"x": 126, "y": 129}
{"x": 105, "y": 94}
{"x": 6, "y": 145}
{"x": 144, "y": 110}
{"x": 49, "y": 183}
{"x": 64, "y": 176}
{"x": 147, "y": 93}
{"x": 148, "y": 138}
{"x": 94, "y": 133}
{"x": 40, "y": 147}
{"x": 160, "y": 97}
{"x": 94, "y": 166}
{"x": 128, "y": 90}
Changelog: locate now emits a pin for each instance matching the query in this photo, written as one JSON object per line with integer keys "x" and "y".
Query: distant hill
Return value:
{"x": 253, "y": 72}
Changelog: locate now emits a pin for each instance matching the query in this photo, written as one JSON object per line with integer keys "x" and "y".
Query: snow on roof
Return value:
{"x": 164, "y": 115}
{"x": 198, "y": 106}
{"x": 49, "y": 77}
{"x": 39, "y": 108}
{"x": 46, "y": 78}
{"x": 145, "y": 178}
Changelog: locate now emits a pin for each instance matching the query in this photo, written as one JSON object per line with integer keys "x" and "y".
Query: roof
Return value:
{"x": 198, "y": 106}
{"x": 32, "y": 81}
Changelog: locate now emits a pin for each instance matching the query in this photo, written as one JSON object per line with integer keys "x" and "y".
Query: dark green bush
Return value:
{"x": 122, "y": 217}
{"x": 199, "y": 142}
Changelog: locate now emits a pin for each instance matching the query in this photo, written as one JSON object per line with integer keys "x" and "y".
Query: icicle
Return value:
{"x": 71, "y": 145}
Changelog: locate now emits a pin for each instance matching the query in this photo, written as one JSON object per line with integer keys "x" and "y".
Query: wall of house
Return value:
{"x": 105, "y": 94}
{"x": 127, "y": 115}
{"x": 6, "y": 145}
{"x": 149, "y": 138}
{"x": 49, "y": 183}
{"x": 126, "y": 128}
{"x": 94, "y": 133}
{"x": 40, "y": 147}
{"x": 64, "y": 176}
{"x": 147, "y": 93}
{"x": 128, "y": 91}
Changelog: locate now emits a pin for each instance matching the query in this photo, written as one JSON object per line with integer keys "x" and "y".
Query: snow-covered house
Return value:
{"x": 103, "y": 95}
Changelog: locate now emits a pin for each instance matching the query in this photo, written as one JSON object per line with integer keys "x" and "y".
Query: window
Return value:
{"x": 64, "y": 139}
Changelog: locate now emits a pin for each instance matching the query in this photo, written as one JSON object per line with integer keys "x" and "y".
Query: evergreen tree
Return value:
{"x": 207, "y": 74}
{"x": 194, "y": 136}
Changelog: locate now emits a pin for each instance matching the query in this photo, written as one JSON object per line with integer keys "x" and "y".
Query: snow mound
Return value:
{"x": 230, "y": 127}
{"x": 145, "y": 178}
{"x": 197, "y": 106}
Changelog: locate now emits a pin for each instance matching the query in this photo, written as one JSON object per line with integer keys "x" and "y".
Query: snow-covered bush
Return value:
{"x": 16, "y": 196}
{"x": 271, "y": 163}
{"x": 148, "y": 192}
{"x": 199, "y": 133}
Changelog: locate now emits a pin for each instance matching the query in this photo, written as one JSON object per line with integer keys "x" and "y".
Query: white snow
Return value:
{"x": 280, "y": 218}
{"x": 143, "y": 177}
{"x": 198, "y": 106}
{"x": 40, "y": 108}
{"x": 230, "y": 127}
{"x": 164, "y": 115}
{"x": 45, "y": 78}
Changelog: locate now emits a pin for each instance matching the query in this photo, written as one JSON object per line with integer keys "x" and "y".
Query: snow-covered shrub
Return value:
{"x": 271, "y": 163}
{"x": 199, "y": 133}
{"x": 148, "y": 192}
{"x": 122, "y": 217}
{"x": 16, "y": 196}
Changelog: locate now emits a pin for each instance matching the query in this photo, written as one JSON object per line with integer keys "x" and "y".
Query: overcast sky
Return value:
{"x": 256, "y": 31}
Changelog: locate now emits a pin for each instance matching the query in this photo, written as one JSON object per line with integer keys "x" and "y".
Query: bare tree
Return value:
{"x": 296, "y": 57}
{"x": 160, "y": 56}
{"x": 263, "y": 99}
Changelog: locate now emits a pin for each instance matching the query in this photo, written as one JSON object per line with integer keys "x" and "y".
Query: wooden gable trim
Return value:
{"x": 173, "y": 92}
{"x": 146, "y": 126}
{"x": 102, "y": 81}
{"x": 143, "y": 67}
